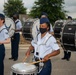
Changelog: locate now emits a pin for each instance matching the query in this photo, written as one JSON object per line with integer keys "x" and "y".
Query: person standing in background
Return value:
{"x": 16, "y": 38}
{"x": 67, "y": 53}
{"x": 4, "y": 39}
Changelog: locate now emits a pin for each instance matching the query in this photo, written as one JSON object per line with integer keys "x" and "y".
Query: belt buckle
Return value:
{"x": 37, "y": 59}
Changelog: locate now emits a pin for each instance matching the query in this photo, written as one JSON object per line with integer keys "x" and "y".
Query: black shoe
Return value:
{"x": 11, "y": 58}
{"x": 65, "y": 55}
{"x": 63, "y": 58}
{"x": 15, "y": 59}
{"x": 67, "y": 59}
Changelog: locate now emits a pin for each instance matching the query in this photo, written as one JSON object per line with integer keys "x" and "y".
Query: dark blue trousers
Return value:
{"x": 2, "y": 55}
{"x": 46, "y": 69}
{"x": 15, "y": 45}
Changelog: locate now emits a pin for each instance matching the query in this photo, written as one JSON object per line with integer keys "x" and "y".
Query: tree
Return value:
{"x": 14, "y": 6}
{"x": 54, "y": 9}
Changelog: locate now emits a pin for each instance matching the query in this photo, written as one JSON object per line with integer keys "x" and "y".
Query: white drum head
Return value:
{"x": 10, "y": 25}
{"x": 23, "y": 68}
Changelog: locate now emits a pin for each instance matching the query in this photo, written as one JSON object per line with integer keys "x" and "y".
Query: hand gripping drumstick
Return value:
{"x": 32, "y": 63}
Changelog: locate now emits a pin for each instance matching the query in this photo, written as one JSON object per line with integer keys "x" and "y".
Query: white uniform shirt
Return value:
{"x": 18, "y": 24}
{"x": 3, "y": 33}
{"x": 44, "y": 49}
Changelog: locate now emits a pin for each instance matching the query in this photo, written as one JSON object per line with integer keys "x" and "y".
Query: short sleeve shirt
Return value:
{"x": 44, "y": 49}
{"x": 18, "y": 24}
{"x": 3, "y": 33}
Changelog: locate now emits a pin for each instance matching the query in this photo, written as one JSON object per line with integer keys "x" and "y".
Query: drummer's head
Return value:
{"x": 44, "y": 25}
{"x": 15, "y": 16}
{"x": 2, "y": 18}
{"x": 44, "y": 15}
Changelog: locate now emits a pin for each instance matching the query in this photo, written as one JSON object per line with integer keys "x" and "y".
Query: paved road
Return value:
{"x": 60, "y": 67}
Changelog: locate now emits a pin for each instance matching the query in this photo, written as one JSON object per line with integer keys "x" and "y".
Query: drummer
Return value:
{"x": 16, "y": 38}
{"x": 45, "y": 46}
{"x": 4, "y": 39}
{"x": 67, "y": 53}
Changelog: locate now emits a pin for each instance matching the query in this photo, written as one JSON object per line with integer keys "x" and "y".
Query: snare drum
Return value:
{"x": 23, "y": 69}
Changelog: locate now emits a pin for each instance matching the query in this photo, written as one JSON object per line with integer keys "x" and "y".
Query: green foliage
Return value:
{"x": 54, "y": 9}
{"x": 14, "y": 6}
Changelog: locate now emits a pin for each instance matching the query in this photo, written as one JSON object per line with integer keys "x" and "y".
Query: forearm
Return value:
{"x": 54, "y": 53}
{"x": 31, "y": 48}
{"x": 29, "y": 51}
{"x": 5, "y": 41}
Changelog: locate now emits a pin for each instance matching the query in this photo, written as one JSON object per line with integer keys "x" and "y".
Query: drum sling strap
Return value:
{"x": 7, "y": 27}
{"x": 3, "y": 29}
{"x": 16, "y": 22}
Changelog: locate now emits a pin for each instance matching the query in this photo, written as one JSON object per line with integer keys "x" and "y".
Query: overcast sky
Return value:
{"x": 70, "y": 5}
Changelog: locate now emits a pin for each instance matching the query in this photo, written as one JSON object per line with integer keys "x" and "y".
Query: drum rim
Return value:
{"x": 23, "y": 72}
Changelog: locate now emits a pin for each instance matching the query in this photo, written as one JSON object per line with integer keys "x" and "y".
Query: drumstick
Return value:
{"x": 35, "y": 62}
{"x": 25, "y": 59}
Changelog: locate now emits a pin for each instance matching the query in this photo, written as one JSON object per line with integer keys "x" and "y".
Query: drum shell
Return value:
{"x": 30, "y": 28}
{"x": 69, "y": 36}
{"x": 21, "y": 69}
{"x": 57, "y": 29}
{"x": 27, "y": 30}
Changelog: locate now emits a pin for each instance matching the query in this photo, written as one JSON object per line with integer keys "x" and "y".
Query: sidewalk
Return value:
{"x": 60, "y": 67}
